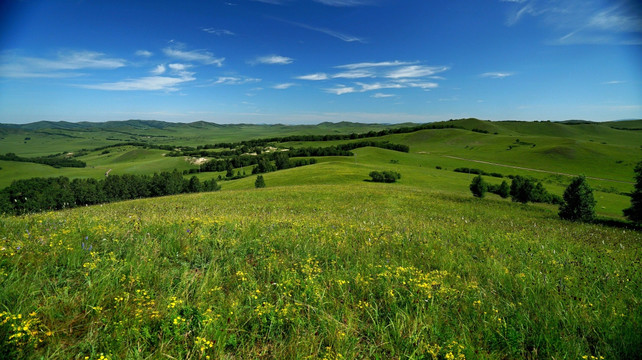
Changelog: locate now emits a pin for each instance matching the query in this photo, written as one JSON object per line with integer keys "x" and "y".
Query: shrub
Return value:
{"x": 521, "y": 189}
{"x": 385, "y": 176}
{"x": 478, "y": 186}
{"x": 502, "y": 190}
{"x": 260, "y": 182}
{"x": 579, "y": 204}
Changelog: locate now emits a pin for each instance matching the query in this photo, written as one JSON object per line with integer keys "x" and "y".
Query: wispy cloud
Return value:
{"x": 13, "y": 65}
{"x": 218, "y": 32}
{"x": 272, "y": 60}
{"x": 382, "y": 95}
{"x": 418, "y": 84}
{"x": 374, "y": 64}
{"x": 234, "y": 80}
{"x": 178, "y": 75}
{"x": 583, "y": 21}
{"x": 354, "y": 74}
{"x": 333, "y": 33}
{"x": 283, "y": 86}
{"x": 149, "y": 83}
{"x": 341, "y": 89}
{"x": 613, "y": 82}
{"x": 379, "y": 86}
{"x": 313, "y": 77}
{"x": 202, "y": 56}
{"x": 392, "y": 74}
{"x": 496, "y": 75}
{"x": 415, "y": 71}
{"x": 159, "y": 69}
{"x": 143, "y": 53}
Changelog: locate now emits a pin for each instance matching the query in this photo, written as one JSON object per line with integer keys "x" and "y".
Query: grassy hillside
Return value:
{"x": 44, "y": 138}
{"x": 317, "y": 271}
{"x": 551, "y": 152}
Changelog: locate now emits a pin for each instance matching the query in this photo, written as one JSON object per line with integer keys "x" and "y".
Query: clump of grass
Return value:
{"x": 321, "y": 272}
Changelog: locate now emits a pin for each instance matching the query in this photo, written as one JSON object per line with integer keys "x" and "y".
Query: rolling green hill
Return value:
{"x": 324, "y": 263}
{"x": 352, "y": 270}
{"x": 551, "y": 152}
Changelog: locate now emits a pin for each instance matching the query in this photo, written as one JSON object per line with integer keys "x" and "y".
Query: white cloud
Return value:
{"x": 159, "y": 69}
{"x": 374, "y": 64}
{"x": 583, "y": 21}
{"x": 379, "y": 86}
{"x": 202, "y": 56}
{"x": 273, "y": 60}
{"x": 333, "y": 33}
{"x": 414, "y": 71}
{"x": 218, "y": 32}
{"x": 150, "y": 83}
{"x": 420, "y": 84}
{"x": 314, "y": 77}
{"x": 613, "y": 82}
{"x": 354, "y": 74}
{"x": 381, "y": 95}
{"x": 13, "y": 65}
{"x": 341, "y": 89}
{"x": 144, "y": 53}
{"x": 234, "y": 80}
{"x": 283, "y": 86}
{"x": 496, "y": 75}
{"x": 178, "y": 67}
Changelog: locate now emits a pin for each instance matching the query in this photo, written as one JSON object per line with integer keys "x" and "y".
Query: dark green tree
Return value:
{"x": 503, "y": 190}
{"x": 579, "y": 204}
{"x": 521, "y": 189}
{"x": 211, "y": 185}
{"x": 259, "y": 183}
{"x": 282, "y": 160}
{"x": 634, "y": 213}
{"x": 478, "y": 186}
{"x": 194, "y": 185}
{"x": 230, "y": 170}
{"x": 376, "y": 176}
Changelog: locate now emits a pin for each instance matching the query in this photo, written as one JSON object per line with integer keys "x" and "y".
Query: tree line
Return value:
{"x": 279, "y": 160}
{"x": 333, "y": 137}
{"x": 522, "y": 189}
{"x": 576, "y": 204}
{"x": 41, "y": 194}
{"x": 57, "y": 160}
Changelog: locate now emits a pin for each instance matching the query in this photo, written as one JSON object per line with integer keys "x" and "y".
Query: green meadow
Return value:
{"x": 324, "y": 264}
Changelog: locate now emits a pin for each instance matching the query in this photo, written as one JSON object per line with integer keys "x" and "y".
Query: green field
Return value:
{"x": 318, "y": 271}
{"x": 323, "y": 264}
{"x": 604, "y": 152}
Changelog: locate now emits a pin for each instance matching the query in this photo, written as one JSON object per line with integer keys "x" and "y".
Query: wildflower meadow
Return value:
{"x": 375, "y": 271}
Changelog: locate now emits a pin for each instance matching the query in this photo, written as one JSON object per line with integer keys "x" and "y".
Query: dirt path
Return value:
{"x": 538, "y": 170}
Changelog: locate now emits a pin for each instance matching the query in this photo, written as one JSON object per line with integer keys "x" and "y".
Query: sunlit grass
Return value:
{"x": 369, "y": 271}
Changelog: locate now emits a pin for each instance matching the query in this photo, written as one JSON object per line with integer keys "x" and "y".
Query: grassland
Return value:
{"x": 44, "y": 138}
{"x": 392, "y": 271}
{"x": 322, "y": 264}
{"x": 604, "y": 152}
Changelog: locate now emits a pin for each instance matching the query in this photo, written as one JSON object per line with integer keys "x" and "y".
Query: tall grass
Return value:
{"x": 331, "y": 272}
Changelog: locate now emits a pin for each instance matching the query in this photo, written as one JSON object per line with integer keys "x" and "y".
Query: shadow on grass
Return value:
{"x": 617, "y": 223}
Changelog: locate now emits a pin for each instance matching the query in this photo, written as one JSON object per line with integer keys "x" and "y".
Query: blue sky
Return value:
{"x": 309, "y": 61}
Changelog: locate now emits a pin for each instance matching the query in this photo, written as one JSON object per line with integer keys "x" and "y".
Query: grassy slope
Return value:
{"x": 121, "y": 160}
{"x": 416, "y": 170}
{"x": 595, "y": 150}
{"x": 358, "y": 271}
{"x": 73, "y": 137}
